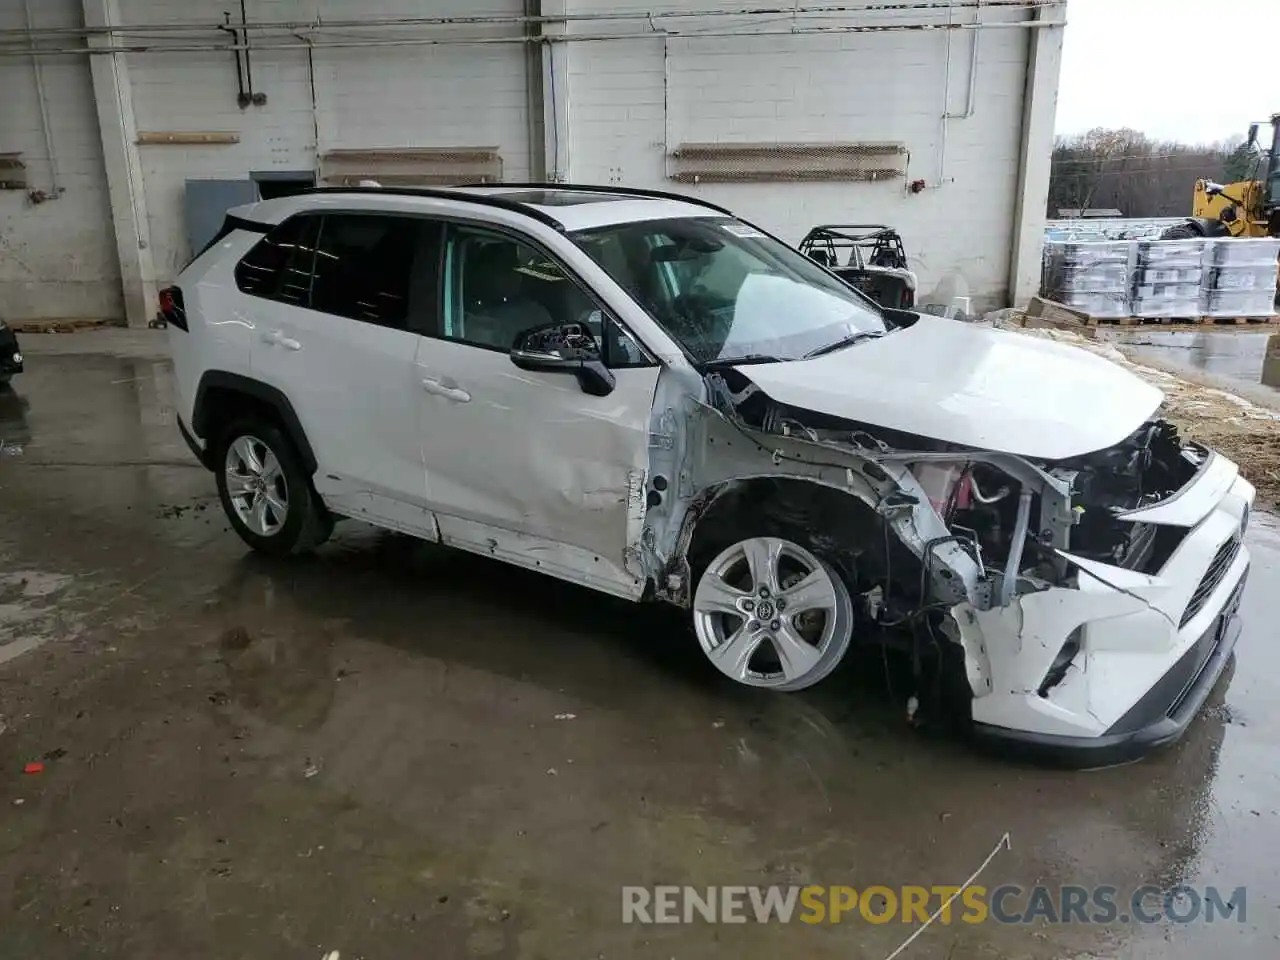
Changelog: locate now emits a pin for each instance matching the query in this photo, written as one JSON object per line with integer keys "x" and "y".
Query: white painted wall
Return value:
{"x": 58, "y": 258}
{"x": 396, "y": 97}
{"x": 620, "y": 107}
{"x": 852, "y": 87}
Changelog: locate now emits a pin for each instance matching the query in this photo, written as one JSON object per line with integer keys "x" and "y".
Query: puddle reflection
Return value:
{"x": 1244, "y": 357}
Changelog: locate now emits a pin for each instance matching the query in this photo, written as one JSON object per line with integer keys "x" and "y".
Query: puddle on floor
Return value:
{"x": 1237, "y": 354}
{"x": 29, "y": 611}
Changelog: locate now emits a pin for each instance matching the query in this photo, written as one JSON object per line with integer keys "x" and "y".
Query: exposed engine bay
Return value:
{"x": 1015, "y": 517}
{"x": 1147, "y": 468}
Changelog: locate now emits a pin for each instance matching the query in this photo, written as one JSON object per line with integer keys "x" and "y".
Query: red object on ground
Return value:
{"x": 36, "y": 767}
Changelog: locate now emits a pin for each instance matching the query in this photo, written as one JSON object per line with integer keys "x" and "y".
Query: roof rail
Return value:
{"x": 619, "y": 191}
{"x": 483, "y": 199}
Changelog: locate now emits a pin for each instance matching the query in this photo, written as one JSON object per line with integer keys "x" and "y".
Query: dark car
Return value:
{"x": 10, "y": 354}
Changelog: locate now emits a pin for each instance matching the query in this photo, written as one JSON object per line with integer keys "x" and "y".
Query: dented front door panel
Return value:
{"x": 531, "y": 454}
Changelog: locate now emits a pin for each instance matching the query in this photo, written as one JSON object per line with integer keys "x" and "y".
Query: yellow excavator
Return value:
{"x": 1247, "y": 208}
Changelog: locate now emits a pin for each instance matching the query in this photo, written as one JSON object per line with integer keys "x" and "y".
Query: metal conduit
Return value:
{"x": 303, "y": 43}
{"x": 890, "y": 6}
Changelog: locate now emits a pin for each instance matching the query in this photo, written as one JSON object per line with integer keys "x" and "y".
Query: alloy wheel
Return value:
{"x": 768, "y": 613}
{"x": 256, "y": 486}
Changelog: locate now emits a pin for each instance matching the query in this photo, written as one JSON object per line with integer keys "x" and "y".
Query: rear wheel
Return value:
{"x": 769, "y": 613}
{"x": 266, "y": 494}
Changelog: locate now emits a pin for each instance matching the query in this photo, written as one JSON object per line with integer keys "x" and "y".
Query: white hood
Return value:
{"x": 970, "y": 385}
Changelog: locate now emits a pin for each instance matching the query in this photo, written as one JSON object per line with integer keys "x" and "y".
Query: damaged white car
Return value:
{"x": 643, "y": 394}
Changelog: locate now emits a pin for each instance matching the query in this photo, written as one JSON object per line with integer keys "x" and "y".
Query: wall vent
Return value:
{"x": 411, "y": 166}
{"x": 786, "y": 162}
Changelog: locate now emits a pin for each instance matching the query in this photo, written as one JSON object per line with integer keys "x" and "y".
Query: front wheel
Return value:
{"x": 266, "y": 494}
{"x": 769, "y": 613}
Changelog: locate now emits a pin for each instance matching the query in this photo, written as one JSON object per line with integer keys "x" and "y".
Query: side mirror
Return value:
{"x": 1253, "y": 135}
{"x": 564, "y": 348}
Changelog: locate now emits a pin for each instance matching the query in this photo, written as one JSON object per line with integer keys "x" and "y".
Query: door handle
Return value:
{"x": 456, "y": 394}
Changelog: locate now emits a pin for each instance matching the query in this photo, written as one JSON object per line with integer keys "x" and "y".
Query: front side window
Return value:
{"x": 498, "y": 287}
{"x": 726, "y": 291}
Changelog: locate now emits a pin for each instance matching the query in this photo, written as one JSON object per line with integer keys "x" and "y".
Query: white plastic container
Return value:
{"x": 1240, "y": 303}
{"x": 1242, "y": 252}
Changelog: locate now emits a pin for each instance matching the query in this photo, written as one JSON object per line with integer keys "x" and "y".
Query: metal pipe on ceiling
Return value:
{"x": 884, "y": 7}
{"x": 572, "y": 38}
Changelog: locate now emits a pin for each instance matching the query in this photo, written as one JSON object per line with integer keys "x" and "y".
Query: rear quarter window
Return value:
{"x": 280, "y": 265}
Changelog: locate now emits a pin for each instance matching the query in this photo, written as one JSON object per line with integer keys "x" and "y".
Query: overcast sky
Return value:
{"x": 1189, "y": 70}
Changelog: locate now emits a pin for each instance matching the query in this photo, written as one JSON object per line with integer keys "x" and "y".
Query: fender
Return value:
{"x": 203, "y": 415}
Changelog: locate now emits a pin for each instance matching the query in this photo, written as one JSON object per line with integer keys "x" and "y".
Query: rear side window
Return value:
{"x": 373, "y": 268}
{"x": 279, "y": 266}
{"x": 363, "y": 267}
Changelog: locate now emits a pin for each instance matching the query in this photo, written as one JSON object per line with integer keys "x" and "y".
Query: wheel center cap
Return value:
{"x": 764, "y": 610}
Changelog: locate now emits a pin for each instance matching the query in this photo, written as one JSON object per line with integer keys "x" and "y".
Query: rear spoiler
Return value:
{"x": 230, "y": 224}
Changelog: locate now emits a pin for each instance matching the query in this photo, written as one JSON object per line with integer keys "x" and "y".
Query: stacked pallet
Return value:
{"x": 1168, "y": 278}
{"x": 1162, "y": 280}
{"x": 1241, "y": 278}
{"x": 1092, "y": 277}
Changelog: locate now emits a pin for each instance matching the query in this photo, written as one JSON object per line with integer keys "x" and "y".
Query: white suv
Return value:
{"x": 640, "y": 393}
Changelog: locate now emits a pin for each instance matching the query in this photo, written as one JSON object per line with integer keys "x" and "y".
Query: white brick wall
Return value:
{"x": 58, "y": 258}
{"x": 392, "y": 97}
{"x": 871, "y": 87}
{"x": 622, "y": 106}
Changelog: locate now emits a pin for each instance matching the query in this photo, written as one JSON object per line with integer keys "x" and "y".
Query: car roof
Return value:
{"x": 566, "y": 207}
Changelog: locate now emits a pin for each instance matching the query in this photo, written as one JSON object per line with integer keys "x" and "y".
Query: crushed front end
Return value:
{"x": 1122, "y": 613}
{"x": 1082, "y": 608}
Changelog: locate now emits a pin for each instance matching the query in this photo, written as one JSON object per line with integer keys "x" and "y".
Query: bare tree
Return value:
{"x": 1128, "y": 171}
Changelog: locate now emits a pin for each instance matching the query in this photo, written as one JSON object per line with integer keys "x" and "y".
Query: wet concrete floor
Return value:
{"x": 371, "y": 750}
{"x": 1238, "y": 354}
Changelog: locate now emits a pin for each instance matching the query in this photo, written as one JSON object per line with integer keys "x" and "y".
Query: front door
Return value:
{"x": 529, "y": 454}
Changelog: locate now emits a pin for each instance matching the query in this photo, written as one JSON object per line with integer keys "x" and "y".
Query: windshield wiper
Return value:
{"x": 745, "y": 358}
{"x": 848, "y": 341}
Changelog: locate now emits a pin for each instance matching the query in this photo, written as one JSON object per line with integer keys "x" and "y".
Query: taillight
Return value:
{"x": 172, "y": 308}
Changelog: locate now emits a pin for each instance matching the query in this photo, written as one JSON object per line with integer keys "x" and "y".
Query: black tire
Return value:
{"x": 307, "y": 524}
{"x": 1181, "y": 231}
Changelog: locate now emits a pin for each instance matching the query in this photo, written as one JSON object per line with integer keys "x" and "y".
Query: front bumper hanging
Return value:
{"x": 1160, "y": 718}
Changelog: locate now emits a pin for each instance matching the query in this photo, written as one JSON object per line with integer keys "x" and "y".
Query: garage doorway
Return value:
{"x": 282, "y": 183}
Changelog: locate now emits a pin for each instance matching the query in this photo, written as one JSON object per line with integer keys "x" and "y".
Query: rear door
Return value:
{"x": 336, "y": 328}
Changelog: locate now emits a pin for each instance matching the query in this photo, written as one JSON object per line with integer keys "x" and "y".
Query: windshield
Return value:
{"x": 726, "y": 291}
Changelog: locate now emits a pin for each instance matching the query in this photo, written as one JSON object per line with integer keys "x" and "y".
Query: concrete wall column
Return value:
{"x": 118, "y": 130}
{"x": 1039, "y": 112}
